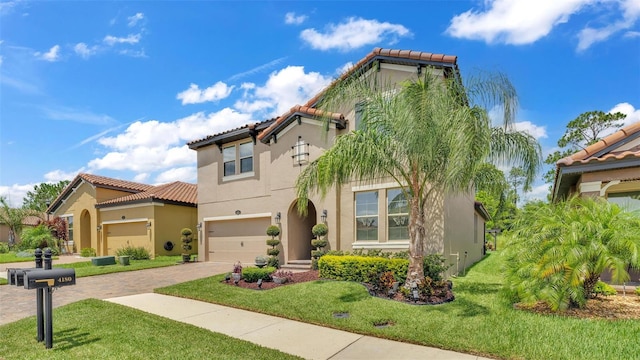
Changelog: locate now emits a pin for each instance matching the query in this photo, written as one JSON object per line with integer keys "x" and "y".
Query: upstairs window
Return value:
{"x": 367, "y": 216}
{"x": 233, "y": 154}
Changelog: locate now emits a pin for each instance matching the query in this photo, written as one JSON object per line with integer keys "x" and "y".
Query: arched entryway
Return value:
{"x": 299, "y": 232}
{"x": 85, "y": 231}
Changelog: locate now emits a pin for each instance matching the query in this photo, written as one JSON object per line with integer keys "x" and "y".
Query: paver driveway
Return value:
{"x": 17, "y": 303}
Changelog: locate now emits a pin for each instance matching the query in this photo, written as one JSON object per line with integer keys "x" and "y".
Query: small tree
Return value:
{"x": 273, "y": 253}
{"x": 319, "y": 231}
{"x": 187, "y": 238}
{"x": 13, "y": 218}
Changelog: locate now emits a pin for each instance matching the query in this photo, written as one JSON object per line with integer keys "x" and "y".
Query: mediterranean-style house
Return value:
{"x": 609, "y": 169}
{"x": 246, "y": 180}
{"x": 107, "y": 214}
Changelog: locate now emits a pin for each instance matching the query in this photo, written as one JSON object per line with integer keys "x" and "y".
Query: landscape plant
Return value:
{"x": 405, "y": 134}
{"x": 37, "y": 237}
{"x": 273, "y": 252}
{"x": 134, "y": 253}
{"x": 186, "y": 236}
{"x": 251, "y": 274}
{"x": 13, "y": 218}
{"x": 88, "y": 252}
{"x": 320, "y": 232}
{"x": 558, "y": 252}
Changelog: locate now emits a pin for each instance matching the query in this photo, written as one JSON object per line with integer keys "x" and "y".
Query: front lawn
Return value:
{"x": 85, "y": 268}
{"x": 11, "y": 257}
{"x": 95, "y": 329}
{"x": 479, "y": 321}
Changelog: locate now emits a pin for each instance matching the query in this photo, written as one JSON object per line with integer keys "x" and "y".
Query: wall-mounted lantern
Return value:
{"x": 99, "y": 227}
{"x": 278, "y": 218}
{"x": 300, "y": 152}
{"x": 148, "y": 225}
{"x": 323, "y": 217}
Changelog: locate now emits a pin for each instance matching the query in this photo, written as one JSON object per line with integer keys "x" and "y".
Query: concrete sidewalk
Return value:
{"x": 292, "y": 337}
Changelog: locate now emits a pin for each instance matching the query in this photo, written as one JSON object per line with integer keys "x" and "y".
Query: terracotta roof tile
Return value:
{"x": 404, "y": 54}
{"x": 304, "y": 110}
{"x": 110, "y": 182}
{"x": 177, "y": 191}
{"x": 587, "y": 155}
{"x": 246, "y": 126}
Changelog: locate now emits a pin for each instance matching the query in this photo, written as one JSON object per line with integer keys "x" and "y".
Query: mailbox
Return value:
{"x": 10, "y": 272}
{"x": 18, "y": 276}
{"x": 38, "y": 279}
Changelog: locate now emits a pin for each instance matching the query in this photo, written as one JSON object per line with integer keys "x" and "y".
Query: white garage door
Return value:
{"x": 233, "y": 240}
{"x": 128, "y": 234}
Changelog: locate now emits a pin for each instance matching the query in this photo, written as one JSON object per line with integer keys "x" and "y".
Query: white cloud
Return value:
{"x": 52, "y": 55}
{"x": 531, "y": 128}
{"x": 283, "y": 90}
{"x": 291, "y": 18}
{"x": 353, "y": 34}
{"x": 517, "y": 22}
{"x": 537, "y": 192}
{"x": 133, "y": 53}
{"x": 343, "y": 69}
{"x": 15, "y": 193}
{"x": 632, "y": 34}
{"x": 150, "y": 146}
{"x": 185, "y": 174}
{"x": 590, "y": 35}
{"x": 133, "y": 20}
{"x": 85, "y": 51}
{"x": 193, "y": 95}
{"x": 512, "y": 21}
{"x": 59, "y": 175}
{"x": 130, "y": 39}
{"x": 633, "y": 114}
{"x": 141, "y": 177}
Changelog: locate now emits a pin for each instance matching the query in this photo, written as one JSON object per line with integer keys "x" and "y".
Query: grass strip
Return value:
{"x": 479, "y": 321}
{"x": 12, "y": 258}
{"x": 95, "y": 329}
{"x": 85, "y": 268}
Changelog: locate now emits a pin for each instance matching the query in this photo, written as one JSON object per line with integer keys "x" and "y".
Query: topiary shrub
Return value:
{"x": 88, "y": 252}
{"x": 273, "y": 252}
{"x": 273, "y": 242}
{"x": 273, "y": 262}
{"x": 273, "y": 230}
{"x": 134, "y": 253}
{"x": 320, "y": 230}
{"x": 253, "y": 274}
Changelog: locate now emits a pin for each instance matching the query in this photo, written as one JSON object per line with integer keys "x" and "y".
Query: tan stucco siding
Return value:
{"x": 237, "y": 240}
{"x": 133, "y": 234}
{"x": 79, "y": 202}
{"x": 169, "y": 220}
{"x": 462, "y": 246}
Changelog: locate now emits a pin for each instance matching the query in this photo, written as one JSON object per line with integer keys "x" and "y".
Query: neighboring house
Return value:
{"x": 29, "y": 221}
{"x": 246, "y": 182}
{"x": 609, "y": 169}
{"x": 107, "y": 214}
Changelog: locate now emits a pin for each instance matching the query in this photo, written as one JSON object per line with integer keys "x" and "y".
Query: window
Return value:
{"x": 398, "y": 215}
{"x": 367, "y": 216}
{"x": 244, "y": 155}
{"x": 69, "y": 219}
{"x": 627, "y": 200}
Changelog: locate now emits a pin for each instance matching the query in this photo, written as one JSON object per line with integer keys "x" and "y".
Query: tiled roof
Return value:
{"x": 589, "y": 154}
{"x": 304, "y": 110}
{"x": 113, "y": 183}
{"x": 177, "y": 192}
{"x": 377, "y": 52}
{"x": 247, "y": 126}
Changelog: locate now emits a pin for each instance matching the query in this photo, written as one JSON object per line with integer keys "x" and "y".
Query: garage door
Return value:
{"x": 233, "y": 240}
{"x": 129, "y": 234}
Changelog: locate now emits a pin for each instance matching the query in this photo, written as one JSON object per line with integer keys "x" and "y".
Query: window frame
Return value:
{"x": 367, "y": 215}
{"x": 237, "y": 161}
{"x": 390, "y": 215}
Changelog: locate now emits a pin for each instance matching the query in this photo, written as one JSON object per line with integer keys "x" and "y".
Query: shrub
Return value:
{"x": 360, "y": 268}
{"x": 318, "y": 243}
{"x": 25, "y": 253}
{"x": 186, "y": 238}
{"x": 434, "y": 266}
{"x": 638, "y": 290}
{"x": 37, "y": 237}
{"x": 252, "y": 274}
{"x": 273, "y": 230}
{"x": 604, "y": 289}
{"x": 273, "y": 242}
{"x": 273, "y": 252}
{"x": 273, "y": 262}
{"x": 4, "y": 248}
{"x": 135, "y": 253}
{"x": 320, "y": 230}
{"x": 88, "y": 252}
{"x": 283, "y": 274}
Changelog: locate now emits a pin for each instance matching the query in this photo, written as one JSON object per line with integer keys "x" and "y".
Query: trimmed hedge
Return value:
{"x": 360, "y": 268}
{"x": 252, "y": 274}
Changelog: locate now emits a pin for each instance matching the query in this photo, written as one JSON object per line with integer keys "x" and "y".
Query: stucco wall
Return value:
{"x": 461, "y": 245}
{"x": 168, "y": 221}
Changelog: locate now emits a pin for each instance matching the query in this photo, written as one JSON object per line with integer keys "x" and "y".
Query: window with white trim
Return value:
{"x": 367, "y": 216}
{"x": 233, "y": 154}
{"x": 397, "y": 215}
{"x": 69, "y": 219}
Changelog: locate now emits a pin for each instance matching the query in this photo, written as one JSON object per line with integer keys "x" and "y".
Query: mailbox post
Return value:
{"x": 39, "y": 300}
{"x": 48, "y": 330}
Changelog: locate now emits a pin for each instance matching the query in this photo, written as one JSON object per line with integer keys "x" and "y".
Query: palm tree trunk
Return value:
{"x": 589, "y": 283}
{"x": 415, "y": 272}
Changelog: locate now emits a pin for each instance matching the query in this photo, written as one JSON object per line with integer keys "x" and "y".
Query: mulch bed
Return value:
{"x": 312, "y": 275}
{"x": 610, "y": 307}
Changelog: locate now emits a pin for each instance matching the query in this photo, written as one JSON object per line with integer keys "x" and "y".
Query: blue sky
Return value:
{"x": 118, "y": 88}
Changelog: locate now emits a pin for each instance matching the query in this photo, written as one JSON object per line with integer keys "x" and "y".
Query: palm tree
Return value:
{"x": 13, "y": 218}
{"x": 559, "y": 250}
{"x": 430, "y": 135}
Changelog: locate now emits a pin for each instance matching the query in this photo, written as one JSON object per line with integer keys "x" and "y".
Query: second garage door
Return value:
{"x": 233, "y": 240}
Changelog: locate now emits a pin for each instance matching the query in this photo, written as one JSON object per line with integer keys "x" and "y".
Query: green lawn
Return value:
{"x": 11, "y": 258}
{"x": 479, "y": 321}
{"x": 95, "y": 329}
{"x": 87, "y": 269}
